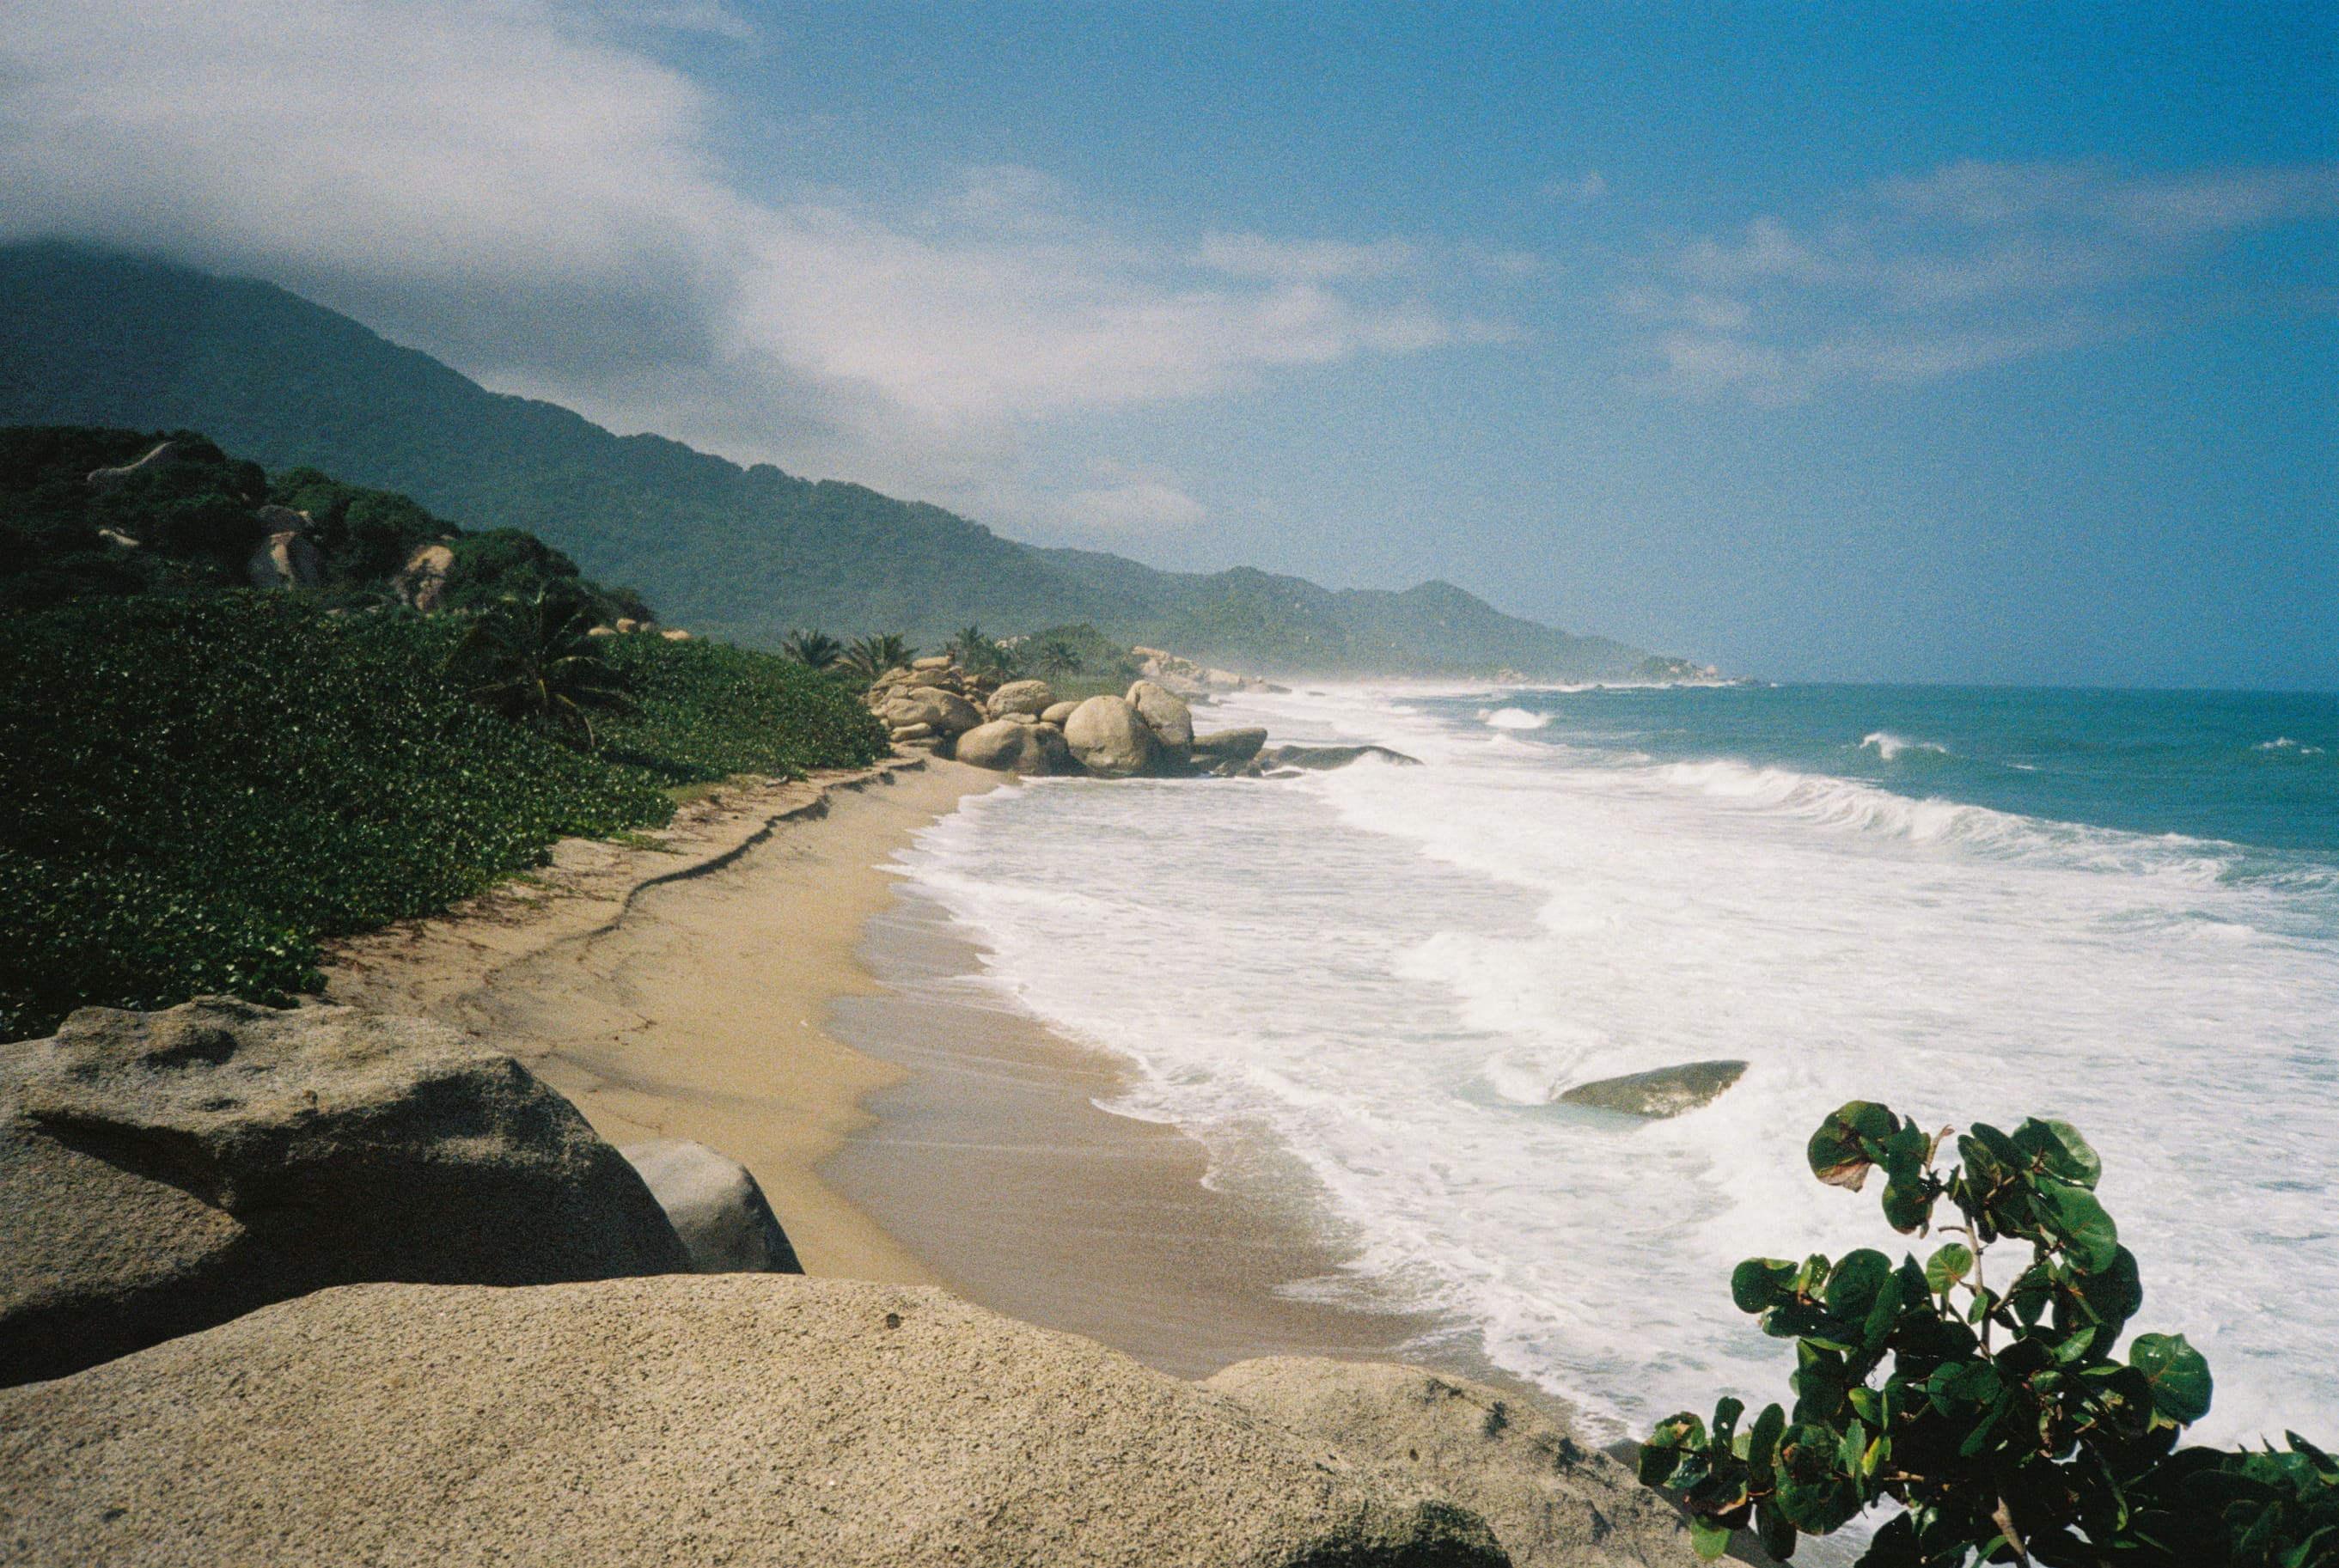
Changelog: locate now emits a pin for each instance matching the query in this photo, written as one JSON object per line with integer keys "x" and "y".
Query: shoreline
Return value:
{"x": 990, "y": 1157}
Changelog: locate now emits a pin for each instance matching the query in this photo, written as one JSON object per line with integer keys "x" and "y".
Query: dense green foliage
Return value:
{"x": 705, "y": 711}
{"x": 2000, "y": 1418}
{"x": 191, "y": 526}
{"x": 201, "y": 786}
{"x": 198, "y": 790}
{"x": 741, "y": 553}
{"x": 534, "y": 660}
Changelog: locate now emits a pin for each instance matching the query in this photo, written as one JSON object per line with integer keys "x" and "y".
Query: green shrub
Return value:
{"x": 1997, "y": 1415}
{"x": 198, "y": 790}
{"x": 705, "y": 711}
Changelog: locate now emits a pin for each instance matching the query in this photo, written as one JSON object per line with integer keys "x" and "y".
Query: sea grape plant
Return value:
{"x": 1982, "y": 1390}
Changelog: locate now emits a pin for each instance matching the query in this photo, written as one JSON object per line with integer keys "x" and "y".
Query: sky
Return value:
{"x": 1886, "y": 342}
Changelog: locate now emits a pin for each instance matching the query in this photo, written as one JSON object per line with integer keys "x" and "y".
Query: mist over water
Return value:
{"x": 2121, "y": 909}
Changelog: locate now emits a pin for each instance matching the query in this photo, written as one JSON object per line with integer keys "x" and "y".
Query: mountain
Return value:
{"x": 88, "y": 338}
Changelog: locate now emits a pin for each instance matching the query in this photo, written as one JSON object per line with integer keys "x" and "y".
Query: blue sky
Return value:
{"x": 1871, "y": 343}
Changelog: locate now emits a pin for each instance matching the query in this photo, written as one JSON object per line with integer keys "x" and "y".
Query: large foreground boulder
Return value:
{"x": 163, "y": 1172}
{"x": 1553, "y": 1502}
{"x": 1167, "y": 716}
{"x": 1109, "y": 739}
{"x": 717, "y": 1207}
{"x": 1007, "y": 746}
{"x": 1665, "y": 1091}
{"x": 731, "y": 1418}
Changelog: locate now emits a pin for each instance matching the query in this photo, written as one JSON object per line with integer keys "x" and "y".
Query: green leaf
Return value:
{"x": 2073, "y": 1214}
{"x": 1760, "y": 1284}
{"x": 1848, "y": 1141}
{"x": 1851, "y": 1290}
{"x": 1762, "y": 1443}
{"x": 1712, "y": 1540}
{"x": 1949, "y": 1264}
{"x": 2179, "y": 1376}
{"x": 2057, "y": 1148}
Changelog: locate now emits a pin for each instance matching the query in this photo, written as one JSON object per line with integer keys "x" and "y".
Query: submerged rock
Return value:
{"x": 1552, "y": 1501}
{"x": 163, "y": 1172}
{"x": 1109, "y": 739}
{"x": 730, "y": 1418}
{"x": 1667, "y": 1092}
{"x": 1228, "y": 746}
{"x": 1318, "y": 758}
{"x": 716, "y": 1206}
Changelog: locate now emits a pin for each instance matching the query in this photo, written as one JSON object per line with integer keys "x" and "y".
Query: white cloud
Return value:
{"x": 1921, "y": 277}
{"x": 1133, "y": 506}
{"x": 518, "y": 186}
{"x": 1584, "y": 189}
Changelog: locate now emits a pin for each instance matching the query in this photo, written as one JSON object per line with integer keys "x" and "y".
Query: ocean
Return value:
{"x": 1367, "y": 987}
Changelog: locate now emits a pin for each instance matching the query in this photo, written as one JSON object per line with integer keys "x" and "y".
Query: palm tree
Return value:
{"x": 876, "y": 654}
{"x": 817, "y": 650}
{"x": 977, "y": 650}
{"x": 1056, "y": 656}
{"x": 532, "y": 661}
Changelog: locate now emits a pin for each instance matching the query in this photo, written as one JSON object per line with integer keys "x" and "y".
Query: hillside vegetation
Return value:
{"x": 744, "y": 553}
{"x": 205, "y": 781}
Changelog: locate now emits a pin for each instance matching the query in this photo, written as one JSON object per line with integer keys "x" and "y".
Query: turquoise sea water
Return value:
{"x": 1371, "y": 985}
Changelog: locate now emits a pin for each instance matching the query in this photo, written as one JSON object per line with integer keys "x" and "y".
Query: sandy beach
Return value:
{"x": 679, "y": 987}
{"x": 752, "y": 979}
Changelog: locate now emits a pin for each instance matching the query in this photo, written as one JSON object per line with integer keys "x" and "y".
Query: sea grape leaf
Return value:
{"x": 1848, "y": 1141}
{"x": 1950, "y": 1263}
{"x": 1760, "y": 1284}
{"x": 2078, "y": 1220}
{"x": 2057, "y": 1148}
{"x": 1711, "y": 1539}
{"x": 1763, "y": 1442}
{"x": 2179, "y": 1376}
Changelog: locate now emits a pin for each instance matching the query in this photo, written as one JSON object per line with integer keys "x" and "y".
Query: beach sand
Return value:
{"x": 717, "y": 985}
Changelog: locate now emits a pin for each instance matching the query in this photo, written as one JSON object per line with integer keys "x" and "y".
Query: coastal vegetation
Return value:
{"x": 1999, "y": 1417}
{"x": 205, "y": 780}
{"x": 747, "y": 554}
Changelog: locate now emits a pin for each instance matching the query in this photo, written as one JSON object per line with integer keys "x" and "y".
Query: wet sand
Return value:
{"x": 992, "y": 1163}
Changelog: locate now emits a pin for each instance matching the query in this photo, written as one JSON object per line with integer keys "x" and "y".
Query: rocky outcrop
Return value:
{"x": 716, "y": 1206}
{"x": 1228, "y": 746}
{"x": 943, "y": 713}
{"x": 1033, "y": 698}
{"x": 1168, "y": 716}
{"x": 1667, "y": 1092}
{"x": 1058, "y": 713}
{"x": 1552, "y": 1501}
{"x": 1109, "y": 739}
{"x": 285, "y": 556}
{"x": 1184, "y": 676}
{"x": 158, "y": 456}
{"x": 163, "y": 1172}
{"x": 735, "y": 1418}
{"x": 421, "y": 583}
{"x": 1007, "y": 746}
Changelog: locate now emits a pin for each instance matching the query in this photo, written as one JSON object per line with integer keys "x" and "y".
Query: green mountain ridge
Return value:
{"x": 89, "y": 338}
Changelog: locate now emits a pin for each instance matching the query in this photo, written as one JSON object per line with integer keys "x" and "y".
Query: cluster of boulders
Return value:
{"x": 1019, "y": 727}
{"x": 1187, "y": 678}
{"x": 257, "y": 1306}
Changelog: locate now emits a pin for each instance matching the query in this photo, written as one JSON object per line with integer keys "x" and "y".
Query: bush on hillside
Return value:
{"x": 1990, "y": 1405}
{"x": 198, "y": 789}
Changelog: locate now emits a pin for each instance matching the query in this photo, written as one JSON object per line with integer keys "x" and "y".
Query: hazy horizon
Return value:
{"x": 1840, "y": 344}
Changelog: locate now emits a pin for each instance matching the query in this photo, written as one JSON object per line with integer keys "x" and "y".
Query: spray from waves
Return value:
{"x": 1512, "y": 719}
{"x": 1891, "y": 748}
{"x": 1848, "y": 806}
{"x": 2285, "y": 744}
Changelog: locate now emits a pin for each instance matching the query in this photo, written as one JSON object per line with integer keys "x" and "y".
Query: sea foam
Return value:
{"x": 1373, "y": 982}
